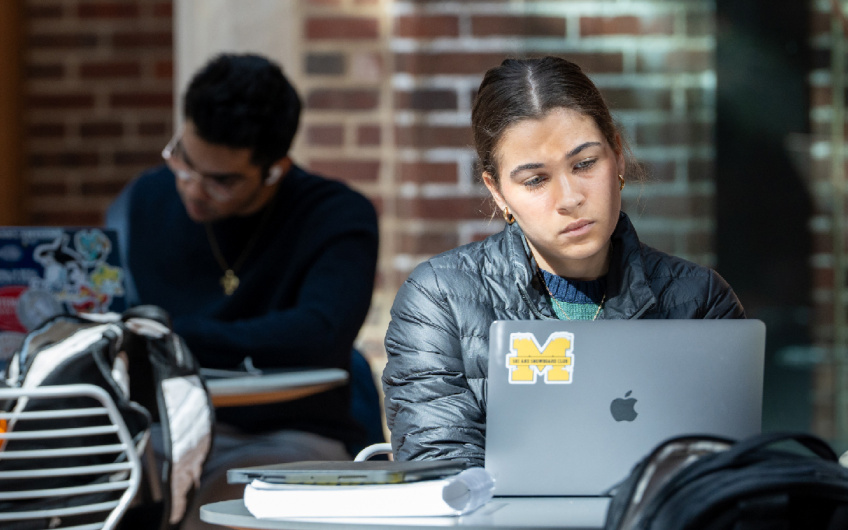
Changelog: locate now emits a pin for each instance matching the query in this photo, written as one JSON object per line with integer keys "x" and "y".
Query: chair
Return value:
{"x": 66, "y": 459}
{"x": 365, "y": 402}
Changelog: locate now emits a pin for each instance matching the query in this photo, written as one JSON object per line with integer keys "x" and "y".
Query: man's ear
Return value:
{"x": 492, "y": 186}
{"x": 276, "y": 171}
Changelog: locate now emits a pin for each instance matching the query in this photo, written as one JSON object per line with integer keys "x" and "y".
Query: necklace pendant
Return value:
{"x": 230, "y": 282}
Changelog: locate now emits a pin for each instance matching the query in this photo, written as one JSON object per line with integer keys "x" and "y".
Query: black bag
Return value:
{"x": 706, "y": 483}
{"x": 150, "y": 375}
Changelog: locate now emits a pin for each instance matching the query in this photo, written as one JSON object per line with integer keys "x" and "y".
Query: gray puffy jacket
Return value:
{"x": 438, "y": 338}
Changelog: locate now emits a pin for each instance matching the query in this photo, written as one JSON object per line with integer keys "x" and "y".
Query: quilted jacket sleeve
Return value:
{"x": 430, "y": 409}
{"x": 723, "y": 302}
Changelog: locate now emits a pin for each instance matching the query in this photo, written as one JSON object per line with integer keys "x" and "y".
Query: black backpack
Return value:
{"x": 150, "y": 375}
{"x": 707, "y": 483}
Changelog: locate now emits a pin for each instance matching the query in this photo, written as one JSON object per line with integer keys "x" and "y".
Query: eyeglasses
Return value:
{"x": 220, "y": 187}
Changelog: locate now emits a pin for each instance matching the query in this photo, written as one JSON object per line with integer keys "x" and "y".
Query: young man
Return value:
{"x": 254, "y": 258}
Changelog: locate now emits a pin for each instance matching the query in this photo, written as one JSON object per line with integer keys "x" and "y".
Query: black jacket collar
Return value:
{"x": 628, "y": 291}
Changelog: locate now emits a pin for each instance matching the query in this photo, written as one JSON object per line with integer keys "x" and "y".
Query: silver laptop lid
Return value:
{"x": 573, "y": 405}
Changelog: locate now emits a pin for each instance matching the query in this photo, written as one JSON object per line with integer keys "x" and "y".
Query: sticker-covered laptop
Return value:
{"x": 573, "y": 405}
{"x": 46, "y": 271}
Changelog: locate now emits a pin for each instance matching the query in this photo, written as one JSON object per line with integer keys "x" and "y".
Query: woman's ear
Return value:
{"x": 620, "y": 160}
{"x": 492, "y": 186}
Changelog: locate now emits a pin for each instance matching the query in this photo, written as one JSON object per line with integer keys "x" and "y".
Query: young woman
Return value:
{"x": 555, "y": 165}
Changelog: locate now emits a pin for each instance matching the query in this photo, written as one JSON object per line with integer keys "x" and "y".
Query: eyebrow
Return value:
{"x": 580, "y": 148}
{"x": 537, "y": 165}
{"x": 523, "y": 167}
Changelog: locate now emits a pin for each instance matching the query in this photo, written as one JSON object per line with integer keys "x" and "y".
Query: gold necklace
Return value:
{"x": 230, "y": 281}
{"x": 562, "y": 309}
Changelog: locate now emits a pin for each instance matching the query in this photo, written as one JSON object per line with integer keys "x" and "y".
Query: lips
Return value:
{"x": 577, "y": 227}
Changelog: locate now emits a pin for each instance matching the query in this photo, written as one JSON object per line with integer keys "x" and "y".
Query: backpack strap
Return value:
{"x": 813, "y": 443}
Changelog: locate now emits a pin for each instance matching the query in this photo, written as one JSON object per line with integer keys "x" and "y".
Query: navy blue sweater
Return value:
{"x": 304, "y": 290}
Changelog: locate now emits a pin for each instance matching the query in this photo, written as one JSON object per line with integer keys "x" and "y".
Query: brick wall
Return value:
{"x": 98, "y": 99}
{"x": 410, "y": 70}
{"x": 826, "y": 183}
{"x": 388, "y": 87}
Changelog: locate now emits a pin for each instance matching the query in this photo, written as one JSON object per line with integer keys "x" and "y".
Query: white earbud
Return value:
{"x": 274, "y": 175}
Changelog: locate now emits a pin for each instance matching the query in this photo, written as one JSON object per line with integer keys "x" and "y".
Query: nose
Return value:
{"x": 570, "y": 195}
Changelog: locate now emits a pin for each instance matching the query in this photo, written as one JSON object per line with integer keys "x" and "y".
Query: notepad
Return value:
{"x": 457, "y": 495}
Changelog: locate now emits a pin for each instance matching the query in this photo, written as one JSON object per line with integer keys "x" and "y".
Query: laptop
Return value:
{"x": 347, "y": 472}
{"x": 572, "y": 406}
{"x": 46, "y": 271}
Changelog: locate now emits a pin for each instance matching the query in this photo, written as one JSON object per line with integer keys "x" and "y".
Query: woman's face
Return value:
{"x": 559, "y": 178}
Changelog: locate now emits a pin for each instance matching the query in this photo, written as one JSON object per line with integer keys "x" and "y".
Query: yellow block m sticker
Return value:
{"x": 527, "y": 359}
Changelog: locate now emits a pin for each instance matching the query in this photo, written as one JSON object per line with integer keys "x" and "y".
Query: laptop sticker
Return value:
{"x": 527, "y": 360}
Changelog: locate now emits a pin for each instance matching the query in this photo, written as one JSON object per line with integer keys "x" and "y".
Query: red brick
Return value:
{"x": 369, "y": 135}
{"x": 427, "y": 243}
{"x": 699, "y": 242}
{"x": 110, "y": 69}
{"x": 446, "y": 63}
{"x": 143, "y": 39}
{"x": 64, "y": 41}
{"x": 163, "y": 69}
{"x": 659, "y": 170}
{"x": 680, "y": 133}
{"x": 44, "y": 11}
{"x": 528, "y": 26}
{"x": 427, "y": 27}
{"x": 429, "y": 136}
{"x": 700, "y": 24}
{"x": 823, "y": 278}
{"x": 60, "y": 101}
{"x": 700, "y": 170}
{"x": 137, "y": 158}
{"x": 346, "y": 99}
{"x": 821, "y": 96}
{"x": 67, "y": 218}
{"x": 109, "y": 188}
{"x": 426, "y": 99}
{"x": 45, "y": 71}
{"x": 108, "y": 129}
{"x": 138, "y": 100}
{"x": 64, "y": 159}
{"x": 108, "y": 10}
{"x": 819, "y": 24}
{"x": 347, "y": 169}
{"x": 325, "y": 135}
{"x": 478, "y": 63}
{"x": 424, "y": 172}
{"x": 154, "y": 129}
{"x": 163, "y": 10}
{"x": 48, "y": 188}
{"x": 626, "y": 25}
{"x": 638, "y": 98}
{"x": 46, "y": 130}
{"x": 349, "y": 28}
{"x": 449, "y": 208}
{"x": 674, "y": 207}
{"x": 674, "y": 62}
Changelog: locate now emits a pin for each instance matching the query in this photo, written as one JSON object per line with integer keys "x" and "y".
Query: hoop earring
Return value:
{"x": 621, "y": 180}
{"x": 508, "y": 217}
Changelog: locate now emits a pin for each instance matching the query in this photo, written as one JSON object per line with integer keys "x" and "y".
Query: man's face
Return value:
{"x": 215, "y": 181}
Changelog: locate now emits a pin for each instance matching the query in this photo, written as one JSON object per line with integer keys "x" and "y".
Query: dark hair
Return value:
{"x": 244, "y": 101}
{"x": 522, "y": 89}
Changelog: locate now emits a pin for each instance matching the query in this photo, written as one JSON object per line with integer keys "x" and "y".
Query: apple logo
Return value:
{"x": 624, "y": 409}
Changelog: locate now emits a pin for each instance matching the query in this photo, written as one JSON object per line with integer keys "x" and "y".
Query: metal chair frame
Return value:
{"x": 126, "y": 464}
